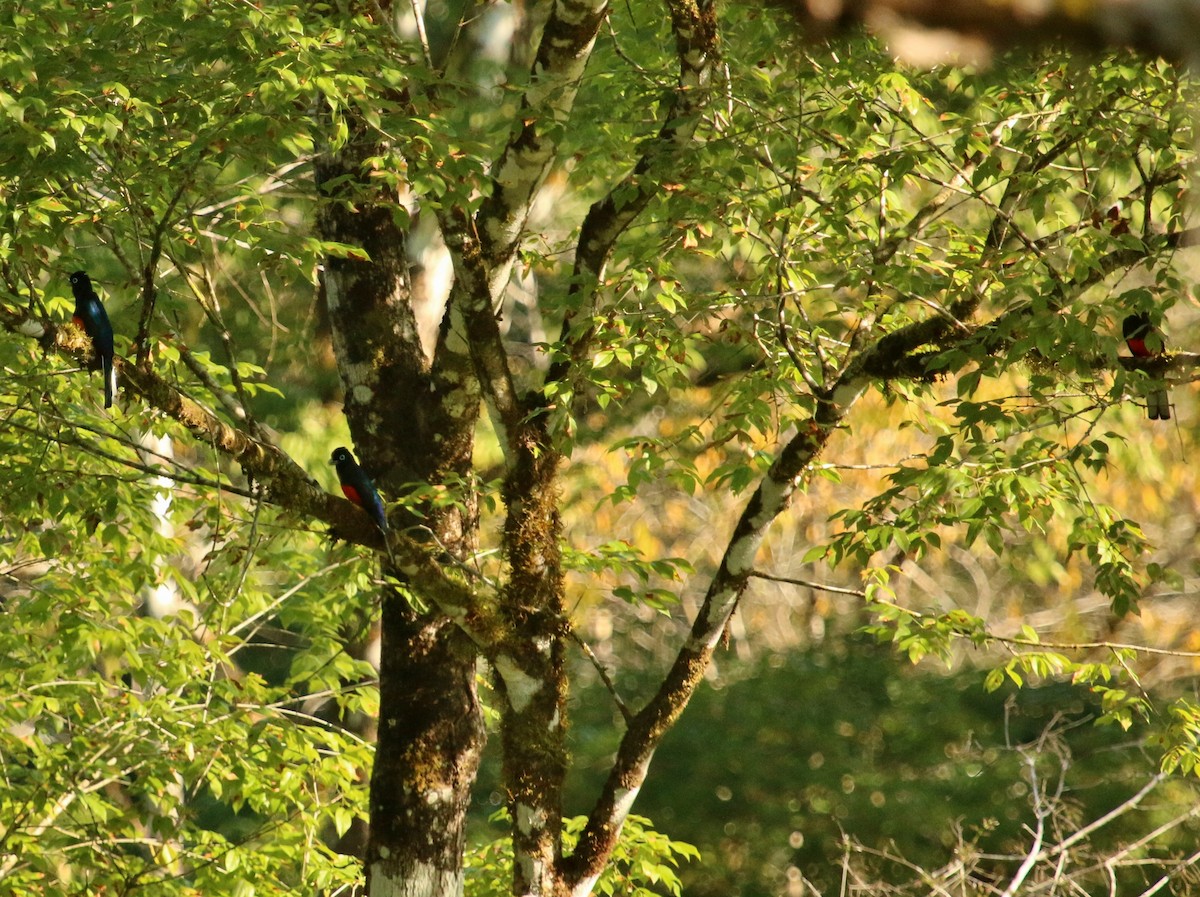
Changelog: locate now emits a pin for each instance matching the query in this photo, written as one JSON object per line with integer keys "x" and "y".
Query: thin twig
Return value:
{"x": 808, "y": 584}
{"x": 178, "y": 475}
{"x": 604, "y": 677}
{"x": 1166, "y": 879}
{"x": 422, "y": 37}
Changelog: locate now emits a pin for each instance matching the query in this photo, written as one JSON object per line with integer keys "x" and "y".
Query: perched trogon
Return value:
{"x": 91, "y": 316}
{"x": 357, "y": 486}
{"x": 1147, "y": 341}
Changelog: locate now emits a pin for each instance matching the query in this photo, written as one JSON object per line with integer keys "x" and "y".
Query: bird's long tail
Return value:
{"x": 1158, "y": 405}
{"x": 110, "y": 379}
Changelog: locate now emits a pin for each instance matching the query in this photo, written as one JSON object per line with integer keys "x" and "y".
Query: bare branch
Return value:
{"x": 141, "y": 342}
{"x": 1116, "y": 812}
{"x": 895, "y": 355}
{"x": 1017, "y": 642}
{"x": 1040, "y": 811}
{"x": 603, "y": 673}
{"x": 819, "y": 586}
{"x": 1165, "y": 880}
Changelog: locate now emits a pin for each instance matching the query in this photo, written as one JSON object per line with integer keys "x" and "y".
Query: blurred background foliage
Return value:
{"x": 814, "y": 744}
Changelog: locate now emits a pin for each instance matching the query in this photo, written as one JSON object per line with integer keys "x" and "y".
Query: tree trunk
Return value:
{"x": 531, "y": 672}
{"x": 412, "y": 414}
{"x": 430, "y": 738}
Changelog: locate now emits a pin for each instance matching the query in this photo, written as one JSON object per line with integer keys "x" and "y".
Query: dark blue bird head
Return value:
{"x": 1137, "y": 326}
{"x": 340, "y": 455}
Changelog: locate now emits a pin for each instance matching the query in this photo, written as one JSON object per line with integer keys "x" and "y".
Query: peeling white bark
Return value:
{"x": 417, "y": 880}
{"x": 333, "y": 295}
{"x": 740, "y": 558}
{"x": 719, "y": 609}
{"x": 500, "y": 275}
{"x": 574, "y": 13}
{"x": 528, "y": 818}
{"x": 846, "y": 394}
{"x": 584, "y": 888}
{"x": 163, "y": 599}
{"x": 31, "y": 327}
{"x": 623, "y": 805}
{"x": 528, "y": 868}
{"x": 522, "y": 167}
{"x": 519, "y": 686}
{"x": 432, "y": 273}
{"x": 627, "y": 796}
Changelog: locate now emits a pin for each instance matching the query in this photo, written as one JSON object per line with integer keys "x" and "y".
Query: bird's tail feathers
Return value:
{"x": 1158, "y": 405}
{"x": 110, "y": 380}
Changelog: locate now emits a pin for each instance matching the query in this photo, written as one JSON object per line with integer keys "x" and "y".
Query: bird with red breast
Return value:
{"x": 1145, "y": 340}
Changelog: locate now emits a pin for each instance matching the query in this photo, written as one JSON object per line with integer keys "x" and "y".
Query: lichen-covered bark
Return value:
{"x": 527, "y": 650}
{"x": 472, "y": 300}
{"x": 484, "y": 246}
{"x": 413, "y": 419}
{"x": 426, "y": 756}
{"x": 529, "y": 665}
{"x": 563, "y": 52}
{"x": 374, "y": 330}
{"x": 528, "y": 657}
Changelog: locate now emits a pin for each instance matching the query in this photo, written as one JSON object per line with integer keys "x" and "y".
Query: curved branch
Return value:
{"x": 900, "y": 354}
{"x": 563, "y": 52}
{"x": 483, "y": 253}
{"x": 772, "y": 497}
{"x": 484, "y": 247}
{"x": 284, "y": 483}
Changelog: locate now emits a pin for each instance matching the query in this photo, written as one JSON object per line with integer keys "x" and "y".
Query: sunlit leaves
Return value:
{"x": 149, "y": 730}
{"x": 846, "y": 199}
{"x": 831, "y": 199}
{"x": 918, "y": 635}
{"x": 998, "y": 477}
{"x": 652, "y": 578}
{"x": 645, "y": 862}
{"x": 1181, "y": 738}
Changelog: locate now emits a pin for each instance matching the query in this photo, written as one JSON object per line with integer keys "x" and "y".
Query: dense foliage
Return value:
{"x": 881, "y": 305}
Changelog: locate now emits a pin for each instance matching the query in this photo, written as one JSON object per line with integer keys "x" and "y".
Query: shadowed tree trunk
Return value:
{"x": 413, "y": 421}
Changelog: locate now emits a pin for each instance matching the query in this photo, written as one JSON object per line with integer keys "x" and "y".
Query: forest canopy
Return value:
{"x": 762, "y": 445}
